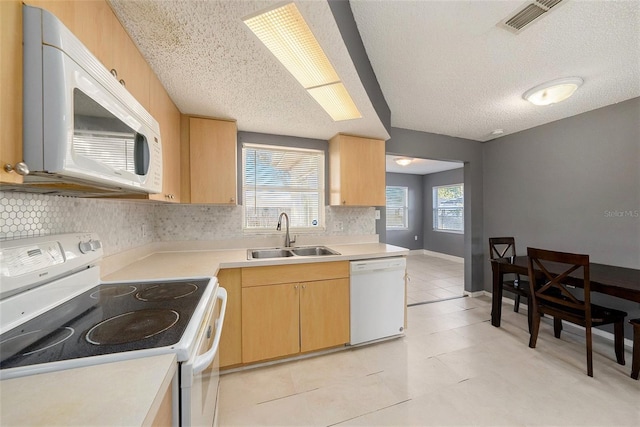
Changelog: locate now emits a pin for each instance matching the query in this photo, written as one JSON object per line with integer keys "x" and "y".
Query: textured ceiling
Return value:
{"x": 212, "y": 65}
{"x": 445, "y": 67}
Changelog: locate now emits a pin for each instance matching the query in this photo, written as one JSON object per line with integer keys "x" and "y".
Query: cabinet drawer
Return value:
{"x": 274, "y": 274}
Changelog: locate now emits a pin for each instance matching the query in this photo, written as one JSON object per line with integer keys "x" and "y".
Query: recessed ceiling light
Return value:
{"x": 553, "y": 92}
{"x": 286, "y": 34}
{"x": 497, "y": 132}
{"x": 403, "y": 161}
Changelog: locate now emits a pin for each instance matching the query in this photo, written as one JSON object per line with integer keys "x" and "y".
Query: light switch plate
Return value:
{"x": 377, "y": 213}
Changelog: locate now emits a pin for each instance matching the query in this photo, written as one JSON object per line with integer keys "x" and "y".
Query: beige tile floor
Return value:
{"x": 432, "y": 278}
{"x": 451, "y": 368}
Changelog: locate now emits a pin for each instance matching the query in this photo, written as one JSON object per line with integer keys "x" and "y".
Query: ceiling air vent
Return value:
{"x": 527, "y": 14}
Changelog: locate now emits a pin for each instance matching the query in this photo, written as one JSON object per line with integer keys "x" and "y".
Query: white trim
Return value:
{"x": 437, "y": 255}
{"x": 475, "y": 294}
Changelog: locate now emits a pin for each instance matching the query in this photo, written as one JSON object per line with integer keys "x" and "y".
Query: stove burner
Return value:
{"x": 132, "y": 326}
{"x": 113, "y": 291}
{"x": 159, "y": 293}
{"x": 35, "y": 341}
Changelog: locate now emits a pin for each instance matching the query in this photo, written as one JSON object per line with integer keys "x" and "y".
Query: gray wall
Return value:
{"x": 406, "y": 238}
{"x": 439, "y": 241}
{"x": 571, "y": 185}
{"x": 439, "y": 147}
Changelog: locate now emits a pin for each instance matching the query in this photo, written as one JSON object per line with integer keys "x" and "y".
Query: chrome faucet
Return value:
{"x": 287, "y": 239}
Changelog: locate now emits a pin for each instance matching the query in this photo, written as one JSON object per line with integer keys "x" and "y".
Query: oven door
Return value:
{"x": 199, "y": 375}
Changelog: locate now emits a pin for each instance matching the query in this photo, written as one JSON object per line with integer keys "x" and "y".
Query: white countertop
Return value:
{"x": 195, "y": 263}
{"x": 126, "y": 393}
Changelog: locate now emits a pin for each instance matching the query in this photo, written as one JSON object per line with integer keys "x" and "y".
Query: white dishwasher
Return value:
{"x": 377, "y": 298}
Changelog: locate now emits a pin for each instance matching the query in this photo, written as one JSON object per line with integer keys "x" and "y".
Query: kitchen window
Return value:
{"x": 397, "y": 208}
{"x": 282, "y": 179}
{"x": 448, "y": 208}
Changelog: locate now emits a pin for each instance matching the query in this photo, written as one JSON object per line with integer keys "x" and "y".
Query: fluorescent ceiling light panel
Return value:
{"x": 336, "y": 101}
{"x": 286, "y": 34}
{"x": 553, "y": 92}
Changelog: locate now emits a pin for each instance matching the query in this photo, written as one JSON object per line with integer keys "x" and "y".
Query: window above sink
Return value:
{"x": 282, "y": 179}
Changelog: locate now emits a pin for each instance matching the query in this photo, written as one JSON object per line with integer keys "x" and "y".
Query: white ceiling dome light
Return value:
{"x": 403, "y": 161}
{"x": 553, "y": 92}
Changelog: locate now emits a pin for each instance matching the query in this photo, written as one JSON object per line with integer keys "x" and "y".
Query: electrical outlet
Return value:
{"x": 415, "y": 238}
{"x": 338, "y": 226}
{"x": 377, "y": 213}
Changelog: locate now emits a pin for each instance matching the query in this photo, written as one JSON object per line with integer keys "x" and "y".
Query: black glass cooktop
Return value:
{"x": 108, "y": 318}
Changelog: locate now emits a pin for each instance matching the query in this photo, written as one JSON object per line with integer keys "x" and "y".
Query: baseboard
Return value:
{"x": 437, "y": 255}
{"x": 476, "y": 294}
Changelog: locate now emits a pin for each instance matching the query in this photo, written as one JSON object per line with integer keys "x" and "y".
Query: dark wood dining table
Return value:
{"x": 619, "y": 282}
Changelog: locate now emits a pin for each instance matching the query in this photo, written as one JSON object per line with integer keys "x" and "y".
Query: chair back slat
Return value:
{"x": 499, "y": 246}
{"x": 554, "y": 291}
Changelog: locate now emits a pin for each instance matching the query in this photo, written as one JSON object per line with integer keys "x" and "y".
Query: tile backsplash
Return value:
{"x": 124, "y": 224}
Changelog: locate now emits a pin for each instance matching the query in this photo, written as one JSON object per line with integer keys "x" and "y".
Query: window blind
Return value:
{"x": 282, "y": 179}
{"x": 397, "y": 207}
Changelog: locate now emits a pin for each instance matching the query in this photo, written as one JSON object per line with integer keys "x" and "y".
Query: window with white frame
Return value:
{"x": 397, "y": 208}
{"x": 282, "y": 179}
{"x": 448, "y": 208}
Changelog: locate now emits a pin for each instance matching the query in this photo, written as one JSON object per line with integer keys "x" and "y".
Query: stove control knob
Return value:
{"x": 85, "y": 247}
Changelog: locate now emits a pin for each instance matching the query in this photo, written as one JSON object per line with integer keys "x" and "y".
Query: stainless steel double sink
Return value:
{"x": 290, "y": 252}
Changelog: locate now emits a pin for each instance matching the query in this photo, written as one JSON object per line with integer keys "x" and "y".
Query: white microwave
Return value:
{"x": 81, "y": 126}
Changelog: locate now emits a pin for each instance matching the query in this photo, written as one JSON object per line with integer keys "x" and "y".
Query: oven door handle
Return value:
{"x": 201, "y": 362}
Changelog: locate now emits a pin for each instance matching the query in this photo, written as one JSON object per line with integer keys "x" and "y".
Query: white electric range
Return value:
{"x": 56, "y": 314}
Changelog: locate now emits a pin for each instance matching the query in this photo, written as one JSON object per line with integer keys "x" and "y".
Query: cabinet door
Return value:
{"x": 10, "y": 88}
{"x": 357, "y": 175}
{"x": 130, "y": 65}
{"x": 270, "y": 322}
{"x": 213, "y": 161}
{"x": 231, "y": 339}
{"x": 165, "y": 112}
{"x": 324, "y": 314}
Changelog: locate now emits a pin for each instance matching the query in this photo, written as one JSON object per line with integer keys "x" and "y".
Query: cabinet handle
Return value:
{"x": 114, "y": 73}
{"x": 232, "y": 200}
{"x": 20, "y": 168}
{"x": 304, "y": 286}
{"x": 295, "y": 286}
{"x": 123, "y": 83}
{"x": 344, "y": 202}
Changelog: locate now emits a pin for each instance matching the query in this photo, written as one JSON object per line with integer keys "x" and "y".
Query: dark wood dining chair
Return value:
{"x": 551, "y": 296}
{"x": 505, "y": 247}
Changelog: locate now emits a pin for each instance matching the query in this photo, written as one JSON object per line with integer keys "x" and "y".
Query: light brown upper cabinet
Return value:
{"x": 97, "y": 27}
{"x": 10, "y": 90}
{"x": 212, "y": 161}
{"x": 168, "y": 116}
{"x": 356, "y": 171}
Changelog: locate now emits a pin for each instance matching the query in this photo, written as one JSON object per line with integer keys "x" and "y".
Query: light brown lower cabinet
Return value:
{"x": 285, "y": 319}
{"x": 231, "y": 338}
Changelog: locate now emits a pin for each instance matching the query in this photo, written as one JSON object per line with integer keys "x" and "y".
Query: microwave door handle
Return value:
{"x": 204, "y": 360}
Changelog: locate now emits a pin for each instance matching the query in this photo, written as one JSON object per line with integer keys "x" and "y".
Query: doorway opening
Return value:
{"x": 425, "y": 213}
